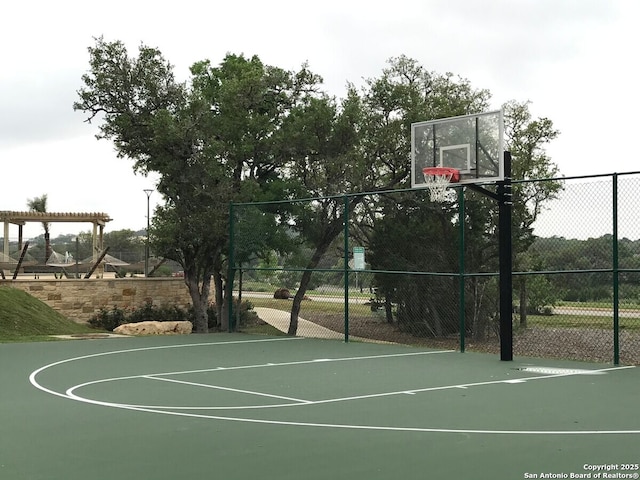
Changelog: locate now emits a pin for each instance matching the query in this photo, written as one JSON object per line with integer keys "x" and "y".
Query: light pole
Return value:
{"x": 146, "y": 247}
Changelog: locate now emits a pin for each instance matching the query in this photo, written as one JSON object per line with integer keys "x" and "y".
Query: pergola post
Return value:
{"x": 20, "y": 218}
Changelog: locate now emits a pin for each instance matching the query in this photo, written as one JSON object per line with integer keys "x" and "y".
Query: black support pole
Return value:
{"x": 506, "y": 259}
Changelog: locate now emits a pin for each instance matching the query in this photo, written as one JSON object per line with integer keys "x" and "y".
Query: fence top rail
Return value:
{"x": 406, "y": 190}
{"x": 576, "y": 177}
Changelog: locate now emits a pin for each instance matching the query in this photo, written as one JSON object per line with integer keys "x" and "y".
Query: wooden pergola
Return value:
{"x": 99, "y": 220}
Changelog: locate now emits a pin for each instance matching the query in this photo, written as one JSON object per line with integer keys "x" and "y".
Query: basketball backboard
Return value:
{"x": 472, "y": 144}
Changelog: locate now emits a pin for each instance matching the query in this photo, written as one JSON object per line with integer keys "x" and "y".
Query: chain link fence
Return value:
{"x": 430, "y": 271}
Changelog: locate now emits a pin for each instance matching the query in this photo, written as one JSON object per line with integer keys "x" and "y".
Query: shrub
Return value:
{"x": 110, "y": 319}
{"x": 107, "y": 319}
{"x": 152, "y": 313}
{"x": 212, "y": 316}
{"x": 247, "y": 316}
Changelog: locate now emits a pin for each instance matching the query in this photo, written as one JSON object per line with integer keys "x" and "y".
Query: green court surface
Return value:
{"x": 235, "y": 406}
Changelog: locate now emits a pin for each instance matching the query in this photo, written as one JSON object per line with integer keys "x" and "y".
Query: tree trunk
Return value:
{"x": 388, "y": 312}
{"x": 47, "y": 247}
{"x": 200, "y": 300}
{"x": 302, "y": 289}
{"x": 239, "y": 303}
{"x": 523, "y": 302}
{"x": 218, "y": 297}
{"x": 479, "y": 320}
{"x": 226, "y": 292}
{"x": 434, "y": 313}
{"x": 297, "y": 303}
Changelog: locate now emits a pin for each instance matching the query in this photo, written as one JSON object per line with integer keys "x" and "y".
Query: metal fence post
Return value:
{"x": 461, "y": 308}
{"x": 615, "y": 266}
{"x": 506, "y": 265}
{"x": 231, "y": 267}
{"x": 346, "y": 268}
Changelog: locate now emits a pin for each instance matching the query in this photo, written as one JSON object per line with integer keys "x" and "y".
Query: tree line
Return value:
{"x": 591, "y": 262}
{"x": 245, "y": 131}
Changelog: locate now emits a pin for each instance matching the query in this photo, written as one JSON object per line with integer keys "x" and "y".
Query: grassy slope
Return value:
{"x": 23, "y": 317}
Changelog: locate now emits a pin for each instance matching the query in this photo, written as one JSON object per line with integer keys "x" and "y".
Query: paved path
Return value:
{"x": 280, "y": 320}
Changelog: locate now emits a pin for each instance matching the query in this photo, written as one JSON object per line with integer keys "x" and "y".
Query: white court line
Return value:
{"x": 70, "y": 395}
{"x": 33, "y": 374}
{"x": 70, "y": 392}
{"x": 298, "y": 402}
{"x": 382, "y": 427}
{"x": 301, "y": 362}
{"x": 228, "y": 389}
{"x": 413, "y": 391}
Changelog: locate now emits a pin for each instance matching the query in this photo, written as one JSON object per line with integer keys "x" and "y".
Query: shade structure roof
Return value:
{"x": 20, "y": 218}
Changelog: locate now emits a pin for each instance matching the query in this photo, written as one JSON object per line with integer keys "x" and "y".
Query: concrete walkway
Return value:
{"x": 280, "y": 319}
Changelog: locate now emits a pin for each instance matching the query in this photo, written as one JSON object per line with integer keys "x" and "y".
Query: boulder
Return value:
{"x": 154, "y": 328}
{"x": 282, "y": 293}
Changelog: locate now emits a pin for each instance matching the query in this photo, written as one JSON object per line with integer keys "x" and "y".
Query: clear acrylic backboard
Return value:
{"x": 471, "y": 144}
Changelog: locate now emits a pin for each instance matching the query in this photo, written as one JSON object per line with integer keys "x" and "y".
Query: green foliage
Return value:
{"x": 150, "y": 313}
{"x": 245, "y": 131}
{"x": 585, "y": 257}
{"x": 109, "y": 319}
{"x": 246, "y": 315}
{"x": 413, "y": 236}
{"x": 39, "y": 205}
{"x": 541, "y": 293}
{"x": 212, "y": 140}
{"x": 588, "y": 294}
{"x": 270, "y": 261}
{"x": 243, "y": 313}
{"x": 630, "y": 293}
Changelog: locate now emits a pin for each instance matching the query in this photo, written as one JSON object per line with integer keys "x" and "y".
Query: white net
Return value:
{"x": 438, "y": 186}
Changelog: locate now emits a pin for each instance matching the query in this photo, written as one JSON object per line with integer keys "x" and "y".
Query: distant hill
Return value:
{"x": 25, "y": 318}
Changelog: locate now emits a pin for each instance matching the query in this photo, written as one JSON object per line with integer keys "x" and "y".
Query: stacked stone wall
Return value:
{"x": 79, "y": 300}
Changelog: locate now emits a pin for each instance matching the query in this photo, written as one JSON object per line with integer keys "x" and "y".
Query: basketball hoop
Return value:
{"x": 438, "y": 179}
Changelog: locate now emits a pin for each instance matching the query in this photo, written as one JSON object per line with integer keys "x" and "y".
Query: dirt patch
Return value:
{"x": 588, "y": 344}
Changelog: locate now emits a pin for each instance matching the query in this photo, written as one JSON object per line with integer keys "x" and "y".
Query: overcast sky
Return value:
{"x": 575, "y": 60}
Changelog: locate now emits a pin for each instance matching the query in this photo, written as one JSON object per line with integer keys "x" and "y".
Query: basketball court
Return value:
{"x": 240, "y": 406}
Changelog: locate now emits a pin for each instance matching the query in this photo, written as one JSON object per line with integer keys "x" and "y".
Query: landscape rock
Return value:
{"x": 154, "y": 328}
{"x": 282, "y": 293}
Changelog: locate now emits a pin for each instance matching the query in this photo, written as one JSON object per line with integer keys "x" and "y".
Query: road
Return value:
{"x": 319, "y": 298}
{"x": 596, "y": 312}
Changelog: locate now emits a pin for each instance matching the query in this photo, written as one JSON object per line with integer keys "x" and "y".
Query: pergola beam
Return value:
{"x": 21, "y": 218}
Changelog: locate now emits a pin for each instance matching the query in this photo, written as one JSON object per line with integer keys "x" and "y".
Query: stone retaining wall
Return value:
{"x": 79, "y": 300}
